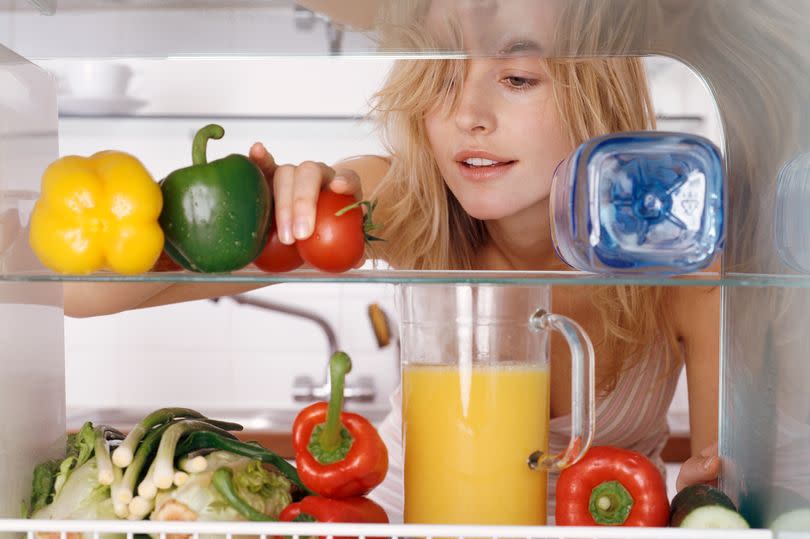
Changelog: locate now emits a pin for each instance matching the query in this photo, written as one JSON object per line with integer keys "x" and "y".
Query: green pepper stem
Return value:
{"x": 339, "y": 366}
{"x": 200, "y": 144}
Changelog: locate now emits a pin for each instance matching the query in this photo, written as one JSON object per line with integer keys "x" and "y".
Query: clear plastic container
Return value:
{"x": 640, "y": 202}
{"x": 475, "y": 402}
{"x": 791, "y": 218}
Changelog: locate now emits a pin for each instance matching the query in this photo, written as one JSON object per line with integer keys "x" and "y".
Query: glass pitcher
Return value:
{"x": 475, "y": 402}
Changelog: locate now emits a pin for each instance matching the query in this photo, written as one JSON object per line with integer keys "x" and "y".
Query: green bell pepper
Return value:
{"x": 215, "y": 215}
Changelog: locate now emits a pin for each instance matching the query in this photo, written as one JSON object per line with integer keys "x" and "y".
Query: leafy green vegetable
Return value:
{"x": 42, "y": 488}
{"x": 264, "y": 490}
{"x": 51, "y": 476}
{"x": 78, "y": 451}
{"x": 223, "y": 483}
{"x": 82, "y": 497}
{"x": 269, "y": 492}
{"x": 87, "y": 485}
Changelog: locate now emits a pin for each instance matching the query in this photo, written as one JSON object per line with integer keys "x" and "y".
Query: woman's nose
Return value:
{"x": 475, "y": 113}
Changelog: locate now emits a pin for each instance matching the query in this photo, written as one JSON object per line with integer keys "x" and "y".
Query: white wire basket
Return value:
{"x": 84, "y": 529}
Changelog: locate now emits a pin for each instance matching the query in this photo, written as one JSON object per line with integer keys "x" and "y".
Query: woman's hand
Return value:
{"x": 296, "y": 189}
{"x": 702, "y": 468}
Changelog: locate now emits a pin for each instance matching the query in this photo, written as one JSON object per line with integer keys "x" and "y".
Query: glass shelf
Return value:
{"x": 388, "y": 276}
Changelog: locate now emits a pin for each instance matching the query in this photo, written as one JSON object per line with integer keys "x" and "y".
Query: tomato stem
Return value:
{"x": 368, "y": 224}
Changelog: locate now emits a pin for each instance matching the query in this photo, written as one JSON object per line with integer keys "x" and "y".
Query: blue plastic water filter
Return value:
{"x": 640, "y": 202}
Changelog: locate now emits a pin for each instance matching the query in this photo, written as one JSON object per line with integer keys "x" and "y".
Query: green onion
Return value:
{"x": 121, "y": 509}
{"x": 180, "y": 478}
{"x": 147, "y": 488}
{"x": 164, "y": 460}
{"x": 124, "y": 454}
{"x": 106, "y": 474}
{"x": 212, "y": 440}
{"x": 145, "y": 451}
{"x": 191, "y": 465}
{"x": 140, "y": 507}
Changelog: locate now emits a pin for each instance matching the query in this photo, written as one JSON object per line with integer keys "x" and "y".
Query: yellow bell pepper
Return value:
{"x": 97, "y": 212}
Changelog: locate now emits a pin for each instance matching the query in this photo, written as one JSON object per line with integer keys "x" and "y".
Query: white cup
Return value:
{"x": 97, "y": 79}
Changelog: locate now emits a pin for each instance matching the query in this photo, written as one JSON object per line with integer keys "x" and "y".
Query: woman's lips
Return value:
{"x": 484, "y": 173}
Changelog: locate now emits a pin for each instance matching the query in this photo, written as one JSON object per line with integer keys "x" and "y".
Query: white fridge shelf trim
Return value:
{"x": 267, "y": 530}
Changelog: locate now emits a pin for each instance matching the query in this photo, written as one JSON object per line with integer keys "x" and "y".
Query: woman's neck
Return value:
{"x": 522, "y": 241}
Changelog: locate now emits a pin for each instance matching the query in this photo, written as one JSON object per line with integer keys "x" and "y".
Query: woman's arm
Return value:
{"x": 697, "y": 321}
{"x": 86, "y": 299}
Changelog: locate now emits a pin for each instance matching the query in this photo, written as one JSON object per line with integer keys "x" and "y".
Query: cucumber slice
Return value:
{"x": 691, "y": 499}
{"x": 797, "y": 520}
{"x": 714, "y": 516}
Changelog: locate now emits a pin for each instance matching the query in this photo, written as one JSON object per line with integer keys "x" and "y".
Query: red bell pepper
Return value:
{"x": 612, "y": 487}
{"x": 357, "y": 510}
{"x": 338, "y": 454}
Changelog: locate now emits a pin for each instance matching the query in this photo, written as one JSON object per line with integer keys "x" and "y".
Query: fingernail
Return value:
{"x": 285, "y": 234}
{"x": 709, "y": 463}
{"x": 301, "y": 229}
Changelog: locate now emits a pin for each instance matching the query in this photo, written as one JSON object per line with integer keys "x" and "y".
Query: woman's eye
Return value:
{"x": 520, "y": 82}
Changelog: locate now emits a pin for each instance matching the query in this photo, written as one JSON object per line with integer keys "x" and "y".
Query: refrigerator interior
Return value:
{"x": 752, "y": 56}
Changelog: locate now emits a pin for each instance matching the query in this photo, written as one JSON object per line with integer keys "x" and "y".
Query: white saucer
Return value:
{"x": 98, "y": 106}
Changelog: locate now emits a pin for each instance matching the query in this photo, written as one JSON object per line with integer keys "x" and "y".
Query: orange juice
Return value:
{"x": 467, "y": 434}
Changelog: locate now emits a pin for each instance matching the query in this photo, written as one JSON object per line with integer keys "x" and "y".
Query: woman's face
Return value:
{"x": 498, "y": 149}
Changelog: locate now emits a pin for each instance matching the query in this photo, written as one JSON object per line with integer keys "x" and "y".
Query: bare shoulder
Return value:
{"x": 695, "y": 309}
{"x": 370, "y": 168}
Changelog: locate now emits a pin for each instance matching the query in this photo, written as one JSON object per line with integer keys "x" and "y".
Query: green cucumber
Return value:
{"x": 713, "y": 516}
{"x": 701, "y": 506}
{"x": 795, "y": 520}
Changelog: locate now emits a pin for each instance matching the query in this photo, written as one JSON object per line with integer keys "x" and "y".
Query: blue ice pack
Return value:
{"x": 640, "y": 202}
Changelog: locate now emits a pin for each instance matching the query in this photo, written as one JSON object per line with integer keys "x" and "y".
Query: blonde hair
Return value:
{"x": 428, "y": 229}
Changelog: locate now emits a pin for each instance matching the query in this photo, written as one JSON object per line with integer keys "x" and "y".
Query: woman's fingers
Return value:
{"x": 262, "y": 158}
{"x": 309, "y": 178}
{"x": 295, "y": 193}
{"x": 346, "y": 182}
{"x": 296, "y": 190}
{"x": 709, "y": 451}
{"x": 283, "y": 190}
{"x": 699, "y": 469}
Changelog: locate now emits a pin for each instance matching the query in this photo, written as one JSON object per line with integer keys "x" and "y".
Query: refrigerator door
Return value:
{"x": 32, "y": 372}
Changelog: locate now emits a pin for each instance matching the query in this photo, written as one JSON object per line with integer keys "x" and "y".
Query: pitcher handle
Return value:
{"x": 582, "y": 390}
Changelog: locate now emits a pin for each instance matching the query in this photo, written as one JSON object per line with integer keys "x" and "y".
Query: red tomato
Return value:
{"x": 338, "y": 242}
{"x": 277, "y": 257}
{"x": 165, "y": 263}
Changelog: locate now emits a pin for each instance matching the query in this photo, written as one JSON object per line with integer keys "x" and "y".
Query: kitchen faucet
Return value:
{"x": 304, "y": 388}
